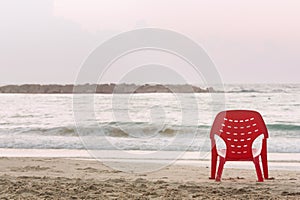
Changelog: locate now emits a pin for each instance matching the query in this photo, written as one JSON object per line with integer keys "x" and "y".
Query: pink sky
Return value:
{"x": 249, "y": 41}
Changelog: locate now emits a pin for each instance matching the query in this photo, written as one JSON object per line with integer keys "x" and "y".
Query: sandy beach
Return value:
{"x": 72, "y": 178}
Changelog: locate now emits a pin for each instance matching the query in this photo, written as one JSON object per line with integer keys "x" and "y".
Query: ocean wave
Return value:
{"x": 244, "y": 91}
{"x": 261, "y": 88}
{"x": 146, "y": 130}
{"x": 138, "y": 130}
{"x": 115, "y": 132}
{"x": 168, "y": 131}
{"x": 284, "y": 127}
{"x": 112, "y": 129}
{"x": 22, "y": 116}
{"x": 256, "y": 91}
{"x": 275, "y": 145}
{"x": 58, "y": 131}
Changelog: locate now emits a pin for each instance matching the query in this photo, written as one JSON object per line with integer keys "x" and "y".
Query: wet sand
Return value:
{"x": 66, "y": 178}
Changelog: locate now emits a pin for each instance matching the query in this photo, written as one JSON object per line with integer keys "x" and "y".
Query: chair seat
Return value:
{"x": 255, "y": 152}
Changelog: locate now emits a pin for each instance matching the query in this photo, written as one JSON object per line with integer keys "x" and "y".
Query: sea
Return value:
{"x": 145, "y": 122}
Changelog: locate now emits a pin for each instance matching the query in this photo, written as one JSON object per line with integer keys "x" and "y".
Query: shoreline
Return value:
{"x": 277, "y": 161}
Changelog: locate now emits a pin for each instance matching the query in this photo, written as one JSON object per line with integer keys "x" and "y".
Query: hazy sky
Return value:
{"x": 46, "y": 41}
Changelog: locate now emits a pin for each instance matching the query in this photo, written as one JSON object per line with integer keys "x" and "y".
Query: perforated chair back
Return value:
{"x": 239, "y": 129}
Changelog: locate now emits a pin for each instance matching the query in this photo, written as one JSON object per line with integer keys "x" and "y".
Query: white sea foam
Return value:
{"x": 46, "y": 121}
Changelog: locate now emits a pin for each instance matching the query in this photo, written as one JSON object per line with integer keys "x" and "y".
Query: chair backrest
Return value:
{"x": 239, "y": 129}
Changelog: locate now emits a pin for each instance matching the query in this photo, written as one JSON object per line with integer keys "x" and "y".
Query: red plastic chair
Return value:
{"x": 239, "y": 129}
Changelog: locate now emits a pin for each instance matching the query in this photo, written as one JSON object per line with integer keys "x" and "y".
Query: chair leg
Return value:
{"x": 265, "y": 166}
{"x": 220, "y": 168}
{"x": 264, "y": 160}
{"x": 213, "y": 169}
{"x": 258, "y": 170}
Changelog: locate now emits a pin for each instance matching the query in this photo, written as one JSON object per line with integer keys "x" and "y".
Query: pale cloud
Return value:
{"x": 250, "y": 41}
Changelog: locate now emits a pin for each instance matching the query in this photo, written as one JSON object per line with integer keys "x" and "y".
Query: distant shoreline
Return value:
{"x": 102, "y": 89}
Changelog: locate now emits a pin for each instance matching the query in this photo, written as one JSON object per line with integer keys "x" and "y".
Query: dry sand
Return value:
{"x": 63, "y": 178}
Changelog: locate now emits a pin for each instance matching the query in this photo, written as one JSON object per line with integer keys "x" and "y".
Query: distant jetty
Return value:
{"x": 102, "y": 89}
